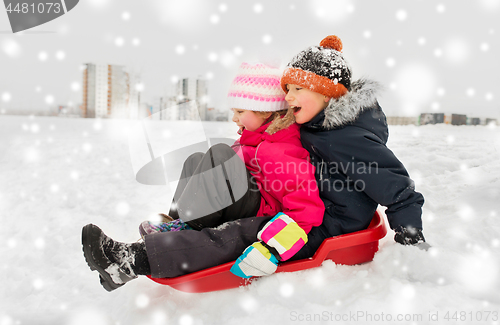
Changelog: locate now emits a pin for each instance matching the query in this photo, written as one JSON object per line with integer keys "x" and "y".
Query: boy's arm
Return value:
{"x": 374, "y": 169}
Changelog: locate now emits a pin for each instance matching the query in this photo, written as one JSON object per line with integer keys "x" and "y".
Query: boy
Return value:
{"x": 345, "y": 132}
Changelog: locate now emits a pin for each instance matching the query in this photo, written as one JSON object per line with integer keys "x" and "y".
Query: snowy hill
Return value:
{"x": 56, "y": 175}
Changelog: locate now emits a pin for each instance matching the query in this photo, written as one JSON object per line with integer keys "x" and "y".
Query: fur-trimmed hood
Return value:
{"x": 346, "y": 109}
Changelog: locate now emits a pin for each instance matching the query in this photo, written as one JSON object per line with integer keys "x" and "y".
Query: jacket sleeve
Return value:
{"x": 290, "y": 179}
{"x": 373, "y": 168}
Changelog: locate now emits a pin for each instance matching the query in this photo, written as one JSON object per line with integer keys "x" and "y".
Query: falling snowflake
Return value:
{"x": 238, "y": 51}
{"x": 6, "y": 97}
{"x": 456, "y": 51}
{"x": 42, "y": 56}
{"x": 214, "y": 19}
{"x": 441, "y": 8}
{"x": 212, "y": 57}
{"x": 477, "y": 272}
{"x": 438, "y": 53}
{"x": 60, "y": 55}
{"x": 390, "y": 62}
{"x": 401, "y": 15}
{"x": 249, "y": 304}
{"x": 209, "y": 75}
{"x": 180, "y": 49}
{"x": 74, "y": 175}
{"x": 75, "y": 86}
{"x": 126, "y": 15}
{"x": 227, "y": 59}
{"x": 119, "y": 41}
{"x": 186, "y": 320}
{"x": 267, "y": 39}
{"x": 470, "y": 92}
{"x": 287, "y": 290}
{"x": 136, "y": 42}
{"x": 11, "y": 48}
{"x": 12, "y": 243}
{"x": 122, "y": 208}
{"x": 222, "y": 7}
{"x": 142, "y": 301}
{"x": 258, "y": 8}
{"x": 38, "y": 284}
{"x": 159, "y": 317}
{"x": 39, "y": 243}
{"x": 31, "y": 155}
{"x": 332, "y": 11}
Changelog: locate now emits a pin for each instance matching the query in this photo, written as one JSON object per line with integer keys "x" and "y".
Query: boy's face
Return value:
{"x": 305, "y": 103}
{"x": 248, "y": 120}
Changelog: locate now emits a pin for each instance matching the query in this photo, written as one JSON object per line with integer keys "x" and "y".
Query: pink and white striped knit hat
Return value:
{"x": 257, "y": 87}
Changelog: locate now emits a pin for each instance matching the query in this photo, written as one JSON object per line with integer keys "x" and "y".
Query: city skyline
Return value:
{"x": 431, "y": 56}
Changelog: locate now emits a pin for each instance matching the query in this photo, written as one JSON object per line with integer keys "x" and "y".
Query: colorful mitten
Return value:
{"x": 284, "y": 235}
{"x": 256, "y": 260}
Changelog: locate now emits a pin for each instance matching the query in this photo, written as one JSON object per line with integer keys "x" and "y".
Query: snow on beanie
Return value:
{"x": 321, "y": 69}
{"x": 257, "y": 88}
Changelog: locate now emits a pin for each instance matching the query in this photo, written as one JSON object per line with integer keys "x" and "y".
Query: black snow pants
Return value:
{"x": 219, "y": 199}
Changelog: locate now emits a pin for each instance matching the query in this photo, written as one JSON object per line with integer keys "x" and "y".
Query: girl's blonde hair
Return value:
{"x": 280, "y": 120}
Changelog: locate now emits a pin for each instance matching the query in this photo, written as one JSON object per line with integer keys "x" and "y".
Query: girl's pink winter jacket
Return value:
{"x": 284, "y": 175}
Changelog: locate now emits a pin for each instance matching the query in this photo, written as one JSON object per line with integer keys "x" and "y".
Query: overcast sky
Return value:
{"x": 432, "y": 56}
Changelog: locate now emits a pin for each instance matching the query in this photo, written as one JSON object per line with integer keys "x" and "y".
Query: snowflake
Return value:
{"x": 286, "y": 290}
{"x": 119, "y": 41}
{"x": 258, "y": 8}
{"x": 142, "y": 301}
{"x": 60, "y": 55}
{"x": 401, "y": 15}
{"x": 126, "y": 15}
{"x": 214, "y": 19}
{"x": 6, "y": 97}
{"x": 122, "y": 208}
{"x": 42, "y": 56}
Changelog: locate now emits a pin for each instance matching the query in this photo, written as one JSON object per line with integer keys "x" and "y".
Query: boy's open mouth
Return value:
{"x": 296, "y": 109}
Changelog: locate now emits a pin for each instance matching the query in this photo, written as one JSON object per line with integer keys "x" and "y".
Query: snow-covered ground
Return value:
{"x": 56, "y": 175}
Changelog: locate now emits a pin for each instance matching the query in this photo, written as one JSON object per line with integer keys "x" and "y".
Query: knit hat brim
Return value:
{"x": 257, "y": 103}
{"x": 313, "y": 82}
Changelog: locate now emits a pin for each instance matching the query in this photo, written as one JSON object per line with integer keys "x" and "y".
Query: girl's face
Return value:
{"x": 248, "y": 120}
{"x": 305, "y": 103}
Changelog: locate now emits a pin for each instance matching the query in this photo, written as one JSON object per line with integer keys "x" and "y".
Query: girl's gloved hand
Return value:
{"x": 281, "y": 238}
{"x": 256, "y": 260}
{"x": 284, "y": 235}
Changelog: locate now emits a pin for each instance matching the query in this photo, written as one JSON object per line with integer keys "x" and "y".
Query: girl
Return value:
{"x": 217, "y": 190}
{"x": 345, "y": 131}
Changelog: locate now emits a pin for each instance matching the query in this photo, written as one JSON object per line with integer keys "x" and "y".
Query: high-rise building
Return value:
{"x": 192, "y": 90}
{"x": 107, "y": 91}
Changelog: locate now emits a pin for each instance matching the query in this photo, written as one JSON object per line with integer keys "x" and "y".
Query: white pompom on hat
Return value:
{"x": 257, "y": 87}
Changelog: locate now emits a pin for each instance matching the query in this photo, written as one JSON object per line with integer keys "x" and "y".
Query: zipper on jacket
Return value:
{"x": 321, "y": 170}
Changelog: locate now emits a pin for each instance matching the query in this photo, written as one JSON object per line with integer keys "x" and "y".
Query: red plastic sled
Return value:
{"x": 349, "y": 249}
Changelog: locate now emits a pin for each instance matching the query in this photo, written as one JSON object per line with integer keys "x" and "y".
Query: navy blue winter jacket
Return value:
{"x": 355, "y": 170}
